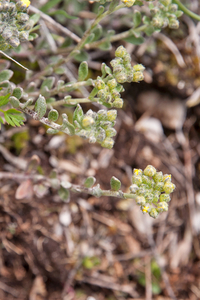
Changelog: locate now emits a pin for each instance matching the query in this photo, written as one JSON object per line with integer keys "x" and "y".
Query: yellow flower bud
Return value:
{"x": 87, "y": 121}
{"x": 26, "y": 2}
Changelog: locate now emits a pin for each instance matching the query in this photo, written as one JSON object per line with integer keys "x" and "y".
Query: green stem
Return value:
{"x": 70, "y": 101}
{"x": 96, "y": 21}
{"x": 117, "y": 37}
{"x": 186, "y": 10}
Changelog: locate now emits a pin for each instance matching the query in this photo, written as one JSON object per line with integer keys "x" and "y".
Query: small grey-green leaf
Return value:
{"x": 48, "y": 82}
{"x": 35, "y": 18}
{"x": 14, "y": 102}
{"x": 115, "y": 183}
{"x": 53, "y": 115}
{"x": 89, "y": 39}
{"x": 105, "y": 46}
{"x": 63, "y": 193}
{"x": 60, "y": 70}
{"x": 100, "y": 10}
{"x": 97, "y": 32}
{"x": 5, "y": 75}
{"x": 89, "y": 182}
{"x": 52, "y": 131}
{"x": 137, "y": 18}
{"x": 26, "y": 104}
{"x": 78, "y": 114}
{"x": 146, "y": 20}
{"x": 83, "y": 71}
{"x": 149, "y": 30}
{"x": 40, "y": 107}
{"x": 17, "y": 92}
{"x": 113, "y": 4}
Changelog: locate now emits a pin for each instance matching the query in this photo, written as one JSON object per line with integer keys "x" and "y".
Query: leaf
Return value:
{"x": 115, "y": 183}
{"x": 14, "y": 119}
{"x": 105, "y": 46}
{"x": 49, "y": 82}
{"x": 62, "y": 12}
{"x": 97, "y": 32}
{"x": 40, "y": 106}
{"x": 32, "y": 36}
{"x": 89, "y": 39}
{"x": 89, "y": 182}
{"x": 17, "y": 92}
{"x": 63, "y": 193}
{"x": 1, "y": 121}
{"x": 83, "y": 71}
{"x": 81, "y": 56}
{"x": 78, "y": 114}
{"x": 35, "y": 18}
{"x": 49, "y": 5}
{"x": 113, "y": 4}
{"x": 5, "y": 75}
{"x": 4, "y": 99}
{"x": 138, "y": 2}
{"x": 137, "y": 18}
{"x": 100, "y": 10}
{"x": 135, "y": 41}
{"x": 149, "y": 30}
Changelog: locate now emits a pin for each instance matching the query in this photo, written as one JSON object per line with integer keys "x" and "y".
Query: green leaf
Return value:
{"x": 53, "y": 115}
{"x": 97, "y": 32}
{"x": 63, "y": 193}
{"x": 81, "y": 56}
{"x": 178, "y": 13}
{"x": 14, "y": 102}
{"x": 13, "y": 111}
{"x": 60, "y": 70}
{"x": 49, "y": 5}
{"x": 115, "y": 183}
{"x": 78, "y": 114}
{"x": 5, "y": 75}
{"x": 1, "y": 121}
{"x": 135, "y": 41}
{"x": 48, "y": 82}
{"x": 149, "y": 30}
{"x": 35, "y": 18}
{"x": 146, "y": 20}
{"x": 32, "y": 36}
{"x": 89, "y": 182}
{"x": 137, "y": 18}
{"x": 17, "y": 92}
{"x": 105, "y": 46}
{"x": 89, "y": 39}
{"x": 138, "y": 2}
{"x": 113, "y": 4}
{"x": 40, "y": 107}
{"x": 63, "y": 13}
{"x": 4, "y": 99}
{"x": 100, "y": 10}
{"x": 14, "y": 117}
{"x": 83, "y": 71}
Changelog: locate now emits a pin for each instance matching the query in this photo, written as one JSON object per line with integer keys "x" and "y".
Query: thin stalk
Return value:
{"x": 70, "y": 101}
{"x": 117, "y": 37}
{"x": 186, "y": 10}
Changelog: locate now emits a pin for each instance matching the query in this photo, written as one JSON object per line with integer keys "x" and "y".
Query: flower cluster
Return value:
{"x": 122, "y": 68}
{"x": 109, "y": 91}
{"x": 152, "y": 190}
{"x": 97, "y": 127}
{"x": 165, "y": 13}
{"x": 14, "y": 23}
